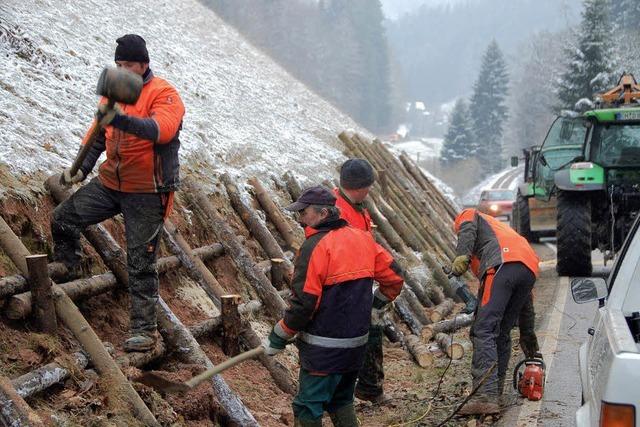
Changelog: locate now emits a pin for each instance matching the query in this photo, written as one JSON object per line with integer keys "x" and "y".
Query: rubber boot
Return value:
{"x": 299, "y": 422}
{"x": 470, "y": 300}
{"x": 345, "y": 417}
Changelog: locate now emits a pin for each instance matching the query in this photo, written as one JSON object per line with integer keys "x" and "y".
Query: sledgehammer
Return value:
{"x": 117, "y": 85}
{"x": 168, "y": 386}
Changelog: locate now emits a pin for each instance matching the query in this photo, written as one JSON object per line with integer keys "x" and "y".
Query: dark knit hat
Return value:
{"x": 317, "y": 195}
{"x": 356, "y": 174}
{"x": 133, "y": 48}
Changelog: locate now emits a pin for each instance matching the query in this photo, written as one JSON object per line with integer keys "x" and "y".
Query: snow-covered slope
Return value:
{"x": 244, "y": 112}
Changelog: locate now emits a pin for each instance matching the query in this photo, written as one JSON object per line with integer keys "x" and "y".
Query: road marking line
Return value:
{"x": 552, "y": 247}
{"x": 530, "y": 410}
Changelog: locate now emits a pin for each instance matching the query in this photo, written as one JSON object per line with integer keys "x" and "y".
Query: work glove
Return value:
{"x": 67, "y": 180}
{"x": 460, "y": 265}
{"x": 105, "y": 115}
{"x": 529, "y": 346}
{"x": 379, "y": 308}
{"x": 277, "y": 340}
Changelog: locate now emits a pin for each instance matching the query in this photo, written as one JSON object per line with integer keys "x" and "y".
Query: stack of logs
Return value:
{"x": 412, "y": 218}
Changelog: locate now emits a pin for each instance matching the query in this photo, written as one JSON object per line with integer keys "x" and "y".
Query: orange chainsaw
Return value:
{"x": 530, "y": 381}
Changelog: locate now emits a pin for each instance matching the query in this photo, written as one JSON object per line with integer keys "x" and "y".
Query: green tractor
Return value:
{"x": 590, "y": 164}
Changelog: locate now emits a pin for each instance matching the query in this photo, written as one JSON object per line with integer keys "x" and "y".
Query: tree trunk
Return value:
{"x": 442, "y": 310}
{"x": 404, "y": 311}
{"x": 275, "y": 216}
{"x": 435, "y": 294}
{"x": 44, "y": 377}
{"x": 293, "y": 186}
{"x": 273, "y": 302}
{"x": 231, "y": 324}
{"x": 254, "y": 224}
{"x": 14, "y": 411}
{"x": 451, "y": 348}
{"x": 419, "y": 351}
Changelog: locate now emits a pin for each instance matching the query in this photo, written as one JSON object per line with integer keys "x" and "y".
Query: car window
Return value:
{"x": 624, "y": 281}
{"x": 498, "y": 195}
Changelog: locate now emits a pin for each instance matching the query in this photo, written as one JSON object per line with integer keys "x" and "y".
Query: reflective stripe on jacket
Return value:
{"x": 491, "y": 243}
{"x": 136, "y": 164}
{"x": 332, "y": 295}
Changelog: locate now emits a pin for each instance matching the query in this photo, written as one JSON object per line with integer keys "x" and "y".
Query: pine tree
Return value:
{"x": 487, "y": 109}
{"x": 590, "y": 68}
{"x": 459, "y": 138}
{"x": 625, "y": 14}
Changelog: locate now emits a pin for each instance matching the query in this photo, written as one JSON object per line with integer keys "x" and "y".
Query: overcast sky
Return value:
{"x": 395, "y": 8}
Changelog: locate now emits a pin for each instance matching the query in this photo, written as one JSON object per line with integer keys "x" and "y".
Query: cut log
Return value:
{"x": 16, "y": 284}
{"x": 13, "y": 247}
{"x": 14, "y": 411}
{"x": 281, "y": 272}
{"x": 435, "y": 294}
{"x": 231, "y": 324}
{"x": 419, "y": 351}
{"x": 176, "y": 336}
{"x": 447, "y": 325}
{"x": 198, "y": 271}
{"x": 417, "y": 308}
{"x": 273, "y": 301}
{"x": 211, "y": 326}
{"x": 403, "y": 309}
{"x": 257, "y": 228}
{"x": 274, "y": 214}
{"x": 442, "y": 310}
{"x": 19, "y": 306}
{"x": 43, "y": 306}
{"x": 449, "y": 346}
{"x": 45, "y": 376}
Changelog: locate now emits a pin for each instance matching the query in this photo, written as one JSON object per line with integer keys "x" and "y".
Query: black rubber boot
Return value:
{"x": 297, "y": 422}
{"x": 345, "y": 417}
{"x": 470, "y": 300}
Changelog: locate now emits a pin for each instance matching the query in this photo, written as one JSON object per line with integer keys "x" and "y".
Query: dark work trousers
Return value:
{"x": 503, "y": 294}
{"x": 143, "y": 218}
{"x": 526, "y": 323}
{"x": 371, "y": 375}
{"x": 318, "y": 393}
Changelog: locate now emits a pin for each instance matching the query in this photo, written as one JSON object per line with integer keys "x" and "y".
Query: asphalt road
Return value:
{"x": 561, "y": 325}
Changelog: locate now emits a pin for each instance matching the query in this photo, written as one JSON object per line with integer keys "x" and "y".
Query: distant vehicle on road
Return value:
{"x": 497, "y": 202}
{"x": 610, "y": 359}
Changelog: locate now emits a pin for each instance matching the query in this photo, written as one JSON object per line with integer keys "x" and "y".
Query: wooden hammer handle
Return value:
{"x": 193, "y": 382}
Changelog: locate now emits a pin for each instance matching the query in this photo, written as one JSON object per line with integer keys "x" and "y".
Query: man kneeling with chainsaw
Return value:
{"x": 137, "y": 179}
{"x": 507, "y": 267}
{"x": 331, "y": 308}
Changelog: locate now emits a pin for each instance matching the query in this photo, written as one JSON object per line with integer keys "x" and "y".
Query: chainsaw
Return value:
{"x": 529, "y": 381}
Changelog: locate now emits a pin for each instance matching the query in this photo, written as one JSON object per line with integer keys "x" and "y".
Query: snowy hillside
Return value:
{"x": 244, "y": 112}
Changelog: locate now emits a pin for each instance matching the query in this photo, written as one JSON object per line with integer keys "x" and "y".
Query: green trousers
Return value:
{"x": 319, "y": 393}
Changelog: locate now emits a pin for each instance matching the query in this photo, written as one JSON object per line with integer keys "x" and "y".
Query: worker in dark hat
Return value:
{"x": 137, "y": 179}
{"x": 330, "y": 309}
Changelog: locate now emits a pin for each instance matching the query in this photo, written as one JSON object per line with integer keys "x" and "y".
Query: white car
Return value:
{"x": 610, "y": 359}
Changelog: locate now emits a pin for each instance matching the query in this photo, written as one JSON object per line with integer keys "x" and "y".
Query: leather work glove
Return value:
{"x": 277, "y": 340}
{"x": 460, "y": 265}
{"x": 529, "y": 346}
{"x": 67, "y": 180}
{"x": 105, "y": 115}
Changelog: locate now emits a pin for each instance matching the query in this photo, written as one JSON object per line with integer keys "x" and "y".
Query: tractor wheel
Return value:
{"x": 574, "y": 234}
{"x": 520, "y": 217}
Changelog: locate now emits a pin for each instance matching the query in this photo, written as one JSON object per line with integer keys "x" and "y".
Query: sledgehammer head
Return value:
{"x": 119, "y": 85}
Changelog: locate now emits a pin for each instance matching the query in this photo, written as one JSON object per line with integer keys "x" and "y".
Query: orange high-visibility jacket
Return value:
{"x": 136, "y": 164}
{"x": 491, "y": 243}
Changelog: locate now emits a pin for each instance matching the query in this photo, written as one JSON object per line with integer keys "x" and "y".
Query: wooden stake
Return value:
{"x": 231, "y": 324}
{"x": 43, "y": 306}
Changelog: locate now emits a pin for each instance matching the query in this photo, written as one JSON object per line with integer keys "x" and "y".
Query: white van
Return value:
{"x": 610, "y": 359}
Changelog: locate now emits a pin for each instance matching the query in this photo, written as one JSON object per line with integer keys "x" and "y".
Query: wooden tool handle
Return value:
{"x": 224, "y": 365}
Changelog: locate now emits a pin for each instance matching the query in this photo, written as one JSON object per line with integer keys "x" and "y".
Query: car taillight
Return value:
{"x": 617, "y": 415}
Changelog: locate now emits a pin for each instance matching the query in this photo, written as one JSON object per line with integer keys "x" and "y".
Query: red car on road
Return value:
{"x": 497, "y": 202}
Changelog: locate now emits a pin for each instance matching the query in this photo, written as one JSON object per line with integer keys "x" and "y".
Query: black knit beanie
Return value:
{"x": 131, "y": 47}
{"x": 356, "y": 174}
